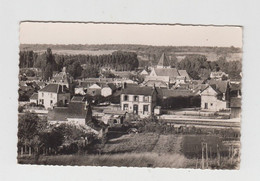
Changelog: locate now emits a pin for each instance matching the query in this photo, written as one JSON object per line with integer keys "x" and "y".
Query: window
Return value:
{"x": 51, "y": 102}
{"x": 146, "y": 108}
{"x": 42, "y": 101}
{"x": 146, "y": 98}
{"x": 125, "y": 107}
{"x": 136, "y": 98}
{"x": 211, "y": 104}
{"x": 206, "y": 106}
{"x": 125, "y": 98}
{"x": 115, "y": 121}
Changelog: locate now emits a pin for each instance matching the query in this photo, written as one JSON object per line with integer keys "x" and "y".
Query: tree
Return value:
{"x": 27, "y": 130}
{"x": 90, "y": 72}
{"x": 75, "y": 69}
{"x": 49, "y": 66}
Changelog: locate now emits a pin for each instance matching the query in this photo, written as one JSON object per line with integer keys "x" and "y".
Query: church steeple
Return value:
{"x": 163, "y": 62}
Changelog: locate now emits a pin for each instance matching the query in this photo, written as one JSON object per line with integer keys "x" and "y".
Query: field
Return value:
{"x": 145, "y": 150}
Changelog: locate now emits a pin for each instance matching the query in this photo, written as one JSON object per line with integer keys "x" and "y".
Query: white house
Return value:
{"x": 94, "y": 89}
{"x": 218, "y": 75}
{"x": 53, "y": 94}
{"x": 138, "y": 100}
{"x": 108, "y": 89}
{"x": 215, "y": 97}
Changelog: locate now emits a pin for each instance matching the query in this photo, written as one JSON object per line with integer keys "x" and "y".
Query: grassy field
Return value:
{"x": 145, "y": 150}
{"x": 125, "y": 159}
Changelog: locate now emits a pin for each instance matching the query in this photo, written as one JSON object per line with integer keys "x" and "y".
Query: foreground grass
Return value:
{"x": 125, "y": 159}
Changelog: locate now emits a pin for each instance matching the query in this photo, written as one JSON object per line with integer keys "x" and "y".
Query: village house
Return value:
{"x": 94, "y": 89}
{"x": 156, "y": 83}
{"x": 144, "y": 73}
{"x": 108, "y": 89}
{"x": 138, "y": 100}
{"x": 113, "y": 117}
{"x": 215, "y": 96}
{"x": 94, "y": 86}
{"x": 53, "y": 94}
{"x": 62, "y": 78}
{"x": 164, "y": 72}
{"x": 218, "y": 75}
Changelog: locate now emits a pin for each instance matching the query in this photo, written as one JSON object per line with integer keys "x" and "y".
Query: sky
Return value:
{"x": 104, "y": 33}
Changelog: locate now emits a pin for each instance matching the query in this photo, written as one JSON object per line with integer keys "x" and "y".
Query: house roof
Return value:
{"x": 77, "y": 99}
{"x": 184, "y": 74}
{"x": 171, "y": 72}
{"x": 165, "y": 93}
{"x": 219, "y": 85}
{"x": 163, "y": 61}
{"x": 217, "y": 74}
{"x": 156, "y": 83}
{"x": 34, "y": 96}
{"x": 235, "y": 102}
{"x": 112, "y": 86}
{"x": 61, "y": 77}
{"x": 95, "y": 86}
{"x": 55, "y": 88}
{"x": 144, "y": 72}
{"x": 136, "y": 90}
{"x": 74, "y": 110}
{"x": 41, "y": 83}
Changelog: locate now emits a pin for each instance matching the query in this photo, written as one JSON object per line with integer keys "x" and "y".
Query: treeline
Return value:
{"x": 122, "y": 61}
{"x": 198, "y": 67}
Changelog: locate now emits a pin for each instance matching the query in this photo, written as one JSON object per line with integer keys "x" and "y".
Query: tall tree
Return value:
{"x": 50, "y": 65}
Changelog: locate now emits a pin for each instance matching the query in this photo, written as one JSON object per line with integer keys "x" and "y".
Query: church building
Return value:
{"x": 163, "y": 72}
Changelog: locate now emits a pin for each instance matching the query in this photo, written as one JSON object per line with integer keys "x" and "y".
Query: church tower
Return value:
{"x": 163, "y": 62}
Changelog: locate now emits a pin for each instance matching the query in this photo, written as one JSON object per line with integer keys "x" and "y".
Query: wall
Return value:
{"x": 210, "y": 96}
{"x": 140, "y": 104}
{"x": 63, "y": 97}
{"x": 93, "y": 91}
{"x": 47, "y": 97}
{"x": 106, "y": 91}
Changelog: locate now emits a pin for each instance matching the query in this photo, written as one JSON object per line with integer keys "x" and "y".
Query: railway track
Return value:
{"x": 205, "y": 123}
